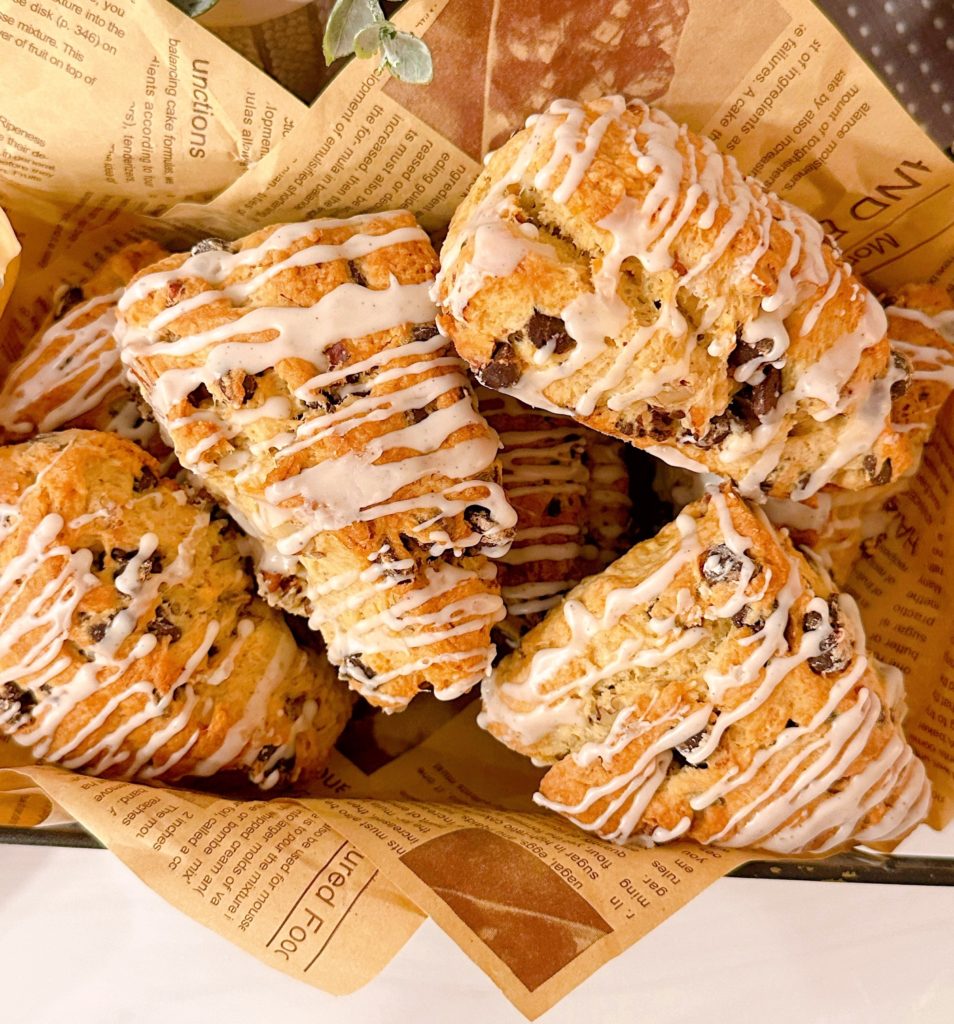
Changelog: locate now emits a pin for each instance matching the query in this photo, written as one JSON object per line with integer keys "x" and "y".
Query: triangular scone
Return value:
{"x": 610, "y": 264}
{"x": 70, "y": 374}
{"x": 301, "y": 377}
{"x": 711, "y": 684}
{"x": 132, "y": 642}
{"x": 836, "y": 524}
{"x": 570, "y": 489}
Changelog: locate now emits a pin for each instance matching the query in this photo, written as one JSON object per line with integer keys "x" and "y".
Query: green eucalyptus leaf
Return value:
{"x": 346, "y": 21}
{"x": 407, "y": 57}
{"x": 368, "y": 41}
{"x": 194, "y": 7}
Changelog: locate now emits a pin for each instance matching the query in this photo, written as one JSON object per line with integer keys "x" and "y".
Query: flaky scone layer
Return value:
{"x": 612, "y": 265}
{"x": 132, "y": 643}
{"x": 70, "y": 374}
{"x": 570, "y": 489}
{"x": 302, "y": 378}
{"x": 712, "y": 684}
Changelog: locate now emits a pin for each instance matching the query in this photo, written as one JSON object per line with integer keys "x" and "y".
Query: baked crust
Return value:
{"x": 712, "y": 684}
{"x": 301, "y": 377}
{"x": 610, "y": 264}
{"x": 132, "y": 643}
{"x": 70, "y": 374}
{"x": 838, "y": 525}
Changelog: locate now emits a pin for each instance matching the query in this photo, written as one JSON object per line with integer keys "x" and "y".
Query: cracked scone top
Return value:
{"x": 70, "y": 373}
{"x": 301, "y": 377}
{"x": 712, "y": 684}
{"x": 132, "y": 642}
{"x": 611, "y": 264}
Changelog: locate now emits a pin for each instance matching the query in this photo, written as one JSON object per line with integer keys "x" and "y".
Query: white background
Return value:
{"x": 83, "y": 941}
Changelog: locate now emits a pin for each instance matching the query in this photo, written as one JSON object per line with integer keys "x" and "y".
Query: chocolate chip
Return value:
{"x": 716, "y": 433}
{"x": 146, "y": 481}
{"x": 746, "y": 616}
{"x": 625, "y": 427}
{"x": 546, "y": 330}
{"x": 660, "y": 424}
{"x": 389, "y": 559}
{"x": 266, "y": 753}
{"x": 417, "y": 415}
{"x": 423, "y": 332}
{"x": 174, "y": 289}
{"x": 198, "y": 395}
{"x": 98, "y": 631}
{"x": 876, "y": 475}
{"x": 479, "y": 518}
{"x": 682, "y": 750}
{"x": 744, "y": 352}
{"x": 356, "y": 274}
{"x": 337, "y": 355}
{"x": 213, "y": 651}
{"x": 835, "y": 650}
{"x": 13, "y": 696}
{"x": 212, "y": 245}
{"x": 236, "y": 387}
{"x": 791, "y": 724}
{"x": 503, "y": 369}
{"x": 71, "y": 296}
{"x": 99, "y": 560}
{"x": 353, "y": 666}
{"x": 900, "y": 386}
{"x": 721, "y": 565}
{"x": 554, "y": 507}
{"x": 753, "y": 402}
{"x": 122, "y": 556}
{"x": 162, "y": 626}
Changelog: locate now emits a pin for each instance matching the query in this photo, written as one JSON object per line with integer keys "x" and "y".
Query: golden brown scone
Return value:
{"x": 301, "y": 377}
{"x": 570, "y": 489}
{"x": 610, "y": 264}
{"x": 132, "y": 643}
{"x": 70, "y": 374}
{"x": 837, "y": 524}
{"x": 712, "y": 684}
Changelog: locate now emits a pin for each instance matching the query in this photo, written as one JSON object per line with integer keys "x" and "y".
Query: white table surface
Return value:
{"x": 83, "y": 941}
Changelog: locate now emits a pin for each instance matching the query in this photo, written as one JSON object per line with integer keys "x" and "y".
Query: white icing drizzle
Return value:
{"x": 87, "y": 363}
{"x": 796, "y": 809}
{"x": 345, "y": 483}
{"x": 34, "y": 638}
{"x": 610, "y": 337}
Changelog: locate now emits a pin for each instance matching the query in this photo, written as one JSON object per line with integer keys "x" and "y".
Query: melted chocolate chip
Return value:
{"x": 423, "y": 332}
{"x": 13, "y": 696}
{"x": 681, "y": 751}
{"x": 554, "y": 507}
{"x": 99, "y": 561}
{"x": 161, "y": 626}
{"x": 353, "y": 666}
{"x": 212, "y": 245}
{"x": 121, "y": 556}
{"x": 753, "y": 402}
{"x": 876, "y": 475}
{"x": 97, "y": 631}
{"x": 545, "y": 330}
{"x": 717, "y": 432}
{"x": 417, "y": 415}
{"x": 198, "y": 395}
{"x": 721, "y": 565}
{"x": 236, "y": 387}
{"x": 791, "y": 724}
{"x": 503, "y": 370}
{"x": 660, "y": 424}
{"x": 146, "y": 481}
{"x": 66, "y": 300}
{"x": 356, "y": 275}
{"x": 744, "y": 352}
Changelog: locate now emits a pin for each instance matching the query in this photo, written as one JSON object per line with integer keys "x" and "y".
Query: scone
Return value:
{"x": 301, "y": 377}
{"x": 837, "y": 524}
{"x": 70, "y": 374}
{"x": 711, "y": 684}
{"x": 570, "y": 489}
{"x": 132, "y": 643}
{"x": 612, "y": 265}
